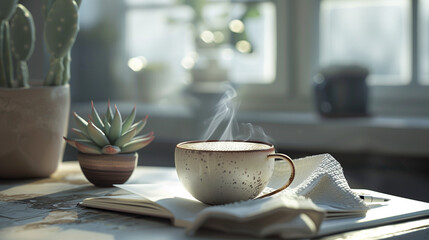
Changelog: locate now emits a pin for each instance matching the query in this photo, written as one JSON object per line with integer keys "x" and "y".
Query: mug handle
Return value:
{"x": 292, "y": 174}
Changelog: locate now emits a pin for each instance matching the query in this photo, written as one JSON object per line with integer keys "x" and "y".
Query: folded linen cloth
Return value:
{"x": 277, "y": 216}
{"x": 319, "y": 178}
{"x": 318, "y": 191}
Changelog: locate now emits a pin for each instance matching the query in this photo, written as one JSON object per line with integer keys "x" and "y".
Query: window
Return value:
{"x": 372, "y": 33}
{"x": 390, "y": 38}
{"x": 259, "y": 24}
{"x": 423, "y": 30}
{"x": 159, "y": 48}
{"x": 156, "y": 51}
{"x": 195, "y": 41}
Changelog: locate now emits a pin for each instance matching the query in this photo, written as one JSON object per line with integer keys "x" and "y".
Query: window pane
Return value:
{"x": 423, "y": 41}
{"x": 372, "y": 33}
{"x": 193, "y": 42}
{"x": 258, "y": 65}
{"x": 155, "y": 50}
{"x": 159, "y": 46}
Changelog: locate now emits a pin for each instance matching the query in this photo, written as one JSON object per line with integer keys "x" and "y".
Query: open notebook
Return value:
{"x": 279, "y": 216}
{"x": 319, "y": 202}
{"x": 175, "y": 203}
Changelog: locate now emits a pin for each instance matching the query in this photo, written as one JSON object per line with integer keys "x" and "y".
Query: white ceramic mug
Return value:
{"x": 219, "y": 172}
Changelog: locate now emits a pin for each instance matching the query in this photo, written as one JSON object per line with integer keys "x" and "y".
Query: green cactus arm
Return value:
{"x": 122, "y": 140}
{"x": 59, "y": 72}
{"x": 55, "y": 73}
{"x": 129, "y": 120}
{"x": 61, "y": 27}
{"x": 137, "y": 144}
{"x": 109, "y": 149}
{"x": 22, "y": 74}
{"x": 7, "y": 8}
{"x": 116, "y": 128}
{"x": 22, "y": 33}
{"x": 81, "y": 123}
{"x": 49, "y": 80}
{"x": 23, "y": 37}
{"x": 3, "y": 80}
{"x": 140, "y": 124}
{"x": 7, "y": 55}
{"x": 97, "y": 135}
{"x": 87, "y": 148}
{"x": 66, "y": 72}
{"x": 47, "y": 4}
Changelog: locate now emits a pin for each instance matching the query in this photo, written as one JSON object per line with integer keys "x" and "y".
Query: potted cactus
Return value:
{"x": 107, "y": 145}
{"x": 33, "y": 118}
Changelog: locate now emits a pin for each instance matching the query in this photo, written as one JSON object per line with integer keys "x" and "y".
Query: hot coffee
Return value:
{"x": 226, "y": 146}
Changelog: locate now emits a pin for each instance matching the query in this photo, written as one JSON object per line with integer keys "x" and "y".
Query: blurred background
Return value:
{"x": 345, "y": 77}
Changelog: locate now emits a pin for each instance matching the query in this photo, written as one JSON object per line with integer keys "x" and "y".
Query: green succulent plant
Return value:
{"x": 109, "y": 135}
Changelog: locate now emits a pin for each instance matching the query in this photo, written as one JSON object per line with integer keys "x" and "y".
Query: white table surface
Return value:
{"x": 47, "y": 209}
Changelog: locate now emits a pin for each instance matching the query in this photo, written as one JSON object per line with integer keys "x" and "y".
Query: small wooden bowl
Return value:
{"x": 106, "y": 170}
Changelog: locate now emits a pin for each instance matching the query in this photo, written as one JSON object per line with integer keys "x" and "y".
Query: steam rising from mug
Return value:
{"x": 226, "y": 116}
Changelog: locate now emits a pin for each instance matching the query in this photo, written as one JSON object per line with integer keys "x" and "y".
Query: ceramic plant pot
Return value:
{"x": 106, "y": 170}
{"x": 33, "y": 122}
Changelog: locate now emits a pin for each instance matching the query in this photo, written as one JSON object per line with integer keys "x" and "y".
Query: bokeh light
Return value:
{"x": 207, "y": 36}
{"x": 236, "y": 26}
{"x": 188, "y": 62}
{"x": 137, "y": 63}
{"x": 243, "y": 46}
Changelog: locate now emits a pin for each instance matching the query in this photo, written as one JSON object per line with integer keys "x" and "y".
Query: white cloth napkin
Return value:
{"x": 319, "y": 187}
{"x": 319, "y": 178}
{"x": 277, "y": 216}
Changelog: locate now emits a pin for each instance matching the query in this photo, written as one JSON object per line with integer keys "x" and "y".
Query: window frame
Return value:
{"x": 373, "y": 79}
{"x": 410, "y": 99}
{"x": 295, "y": 54}
{"x": 292, "y": 89}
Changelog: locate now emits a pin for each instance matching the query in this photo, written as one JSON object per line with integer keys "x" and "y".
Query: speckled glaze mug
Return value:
{"x": 219, "y": 172}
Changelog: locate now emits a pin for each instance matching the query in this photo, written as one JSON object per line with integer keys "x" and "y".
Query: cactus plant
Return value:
{"x": 17, "y": 40}
{"x": 60, "y": 33}
{"x": 23, "y": 38}
{"x": 109, "y": 135}
{"x": 7, "y": 8}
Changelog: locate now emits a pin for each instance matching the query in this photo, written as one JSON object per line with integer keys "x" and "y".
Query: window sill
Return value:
{"x": 377, "y": 134}
{"x": 403, "y": 136}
